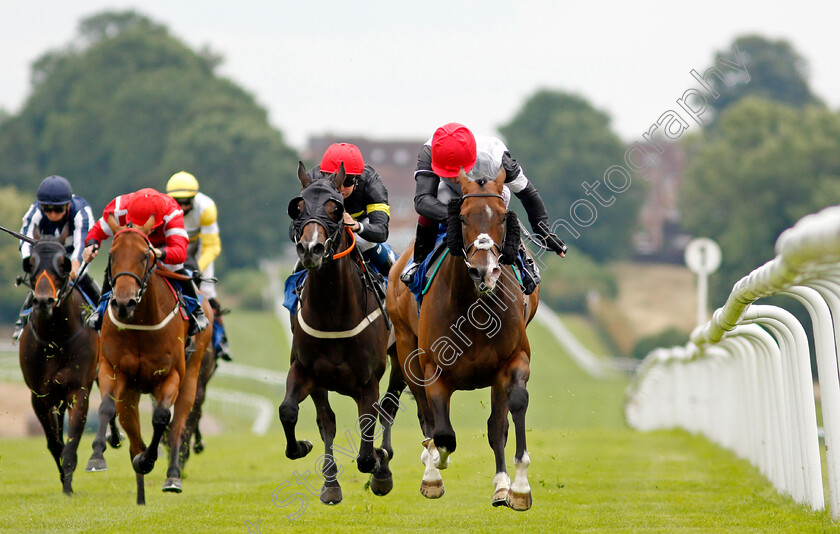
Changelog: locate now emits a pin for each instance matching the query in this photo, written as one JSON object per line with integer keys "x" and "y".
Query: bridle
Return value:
{"x": 484, "y": 242}
{"x": 332, "y": 238}
{"x": 149, "y": 264}
{"x": 60, "y": 292}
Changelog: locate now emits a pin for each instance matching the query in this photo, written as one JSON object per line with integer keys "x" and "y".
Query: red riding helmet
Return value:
{"x": 144, "y": 204}
{"x": 453, "y": 147}
{"x": 343, "y": 152}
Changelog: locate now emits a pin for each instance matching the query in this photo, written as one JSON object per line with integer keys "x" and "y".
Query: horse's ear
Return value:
{"x": 339, "y": 177}
{"x": 463, "y": 181}
{"x": 149, "y": 226}
{"x": 36, "y": 232}
{"x": 113, "y": 224}
{"x": 64, "y": 233}
{"x": 500, "y": 179}
{"x": 304, "y": 179}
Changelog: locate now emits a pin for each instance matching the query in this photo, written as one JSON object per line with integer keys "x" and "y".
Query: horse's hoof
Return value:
{"x": 172, "y": 485}
{"x": 519, "y": 501}
{"x": 381, "y": 486}
{"x": 96, "y": 464}
{"x": 432, "y": 490}
{"x": 366, "y": 465}
{"x": 141, "y": 464}
{"x": 500, "y": 497}
{"x": 115, "y": 440}
{"x": 198, "y": 447}
{"x": 303, "y": 448}
{"x": 331, "y": 494}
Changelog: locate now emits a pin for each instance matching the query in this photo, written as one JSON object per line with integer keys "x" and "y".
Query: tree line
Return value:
{"x": 126, "y": 104}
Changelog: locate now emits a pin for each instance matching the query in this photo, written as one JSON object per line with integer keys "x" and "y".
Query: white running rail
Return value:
{"x": 744, "y": 378}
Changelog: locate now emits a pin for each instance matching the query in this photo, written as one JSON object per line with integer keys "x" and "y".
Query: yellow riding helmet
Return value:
{"x": 182, "y": 185}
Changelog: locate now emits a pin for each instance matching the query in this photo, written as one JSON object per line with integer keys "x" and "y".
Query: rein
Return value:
{"x": 350, "y": 248}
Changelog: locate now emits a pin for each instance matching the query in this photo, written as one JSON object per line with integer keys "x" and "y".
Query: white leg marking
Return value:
{"x": 428, "y": 456}
{"x": 520, "y": 483}
{"x": 501, "y": 481}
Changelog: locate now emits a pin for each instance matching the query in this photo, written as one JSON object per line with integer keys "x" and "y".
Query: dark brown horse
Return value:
{"x": 340, "y": 339}
{"x": 58, "y": 353}
{"x": 470, "y": 334}
{"x": 143, "y": 351}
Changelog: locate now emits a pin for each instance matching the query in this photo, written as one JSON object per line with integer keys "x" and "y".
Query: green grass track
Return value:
{"x": 589, "y": 472}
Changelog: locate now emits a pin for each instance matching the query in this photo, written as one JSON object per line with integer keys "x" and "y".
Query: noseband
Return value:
{"x": 332, "y": 239}
{"x": 149, "y": 264}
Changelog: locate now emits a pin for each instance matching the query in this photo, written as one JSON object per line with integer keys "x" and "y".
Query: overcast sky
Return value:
{"x": 390, "y": 69}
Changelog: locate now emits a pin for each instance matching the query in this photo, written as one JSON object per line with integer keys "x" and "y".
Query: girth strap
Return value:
{"x": 320, "y": 334}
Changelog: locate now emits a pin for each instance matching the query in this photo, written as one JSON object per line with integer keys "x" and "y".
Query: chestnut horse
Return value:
{"x": 143, "y": 351}
{"x": 470, "y": 334}
{"x": 58, "y": 353}
{"x": 340, "y": 339}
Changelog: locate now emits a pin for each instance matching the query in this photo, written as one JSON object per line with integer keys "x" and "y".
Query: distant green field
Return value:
{"x": 588, "y": 471}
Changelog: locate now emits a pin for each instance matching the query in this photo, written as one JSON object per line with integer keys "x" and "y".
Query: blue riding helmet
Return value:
{"x": 54, "y": 190}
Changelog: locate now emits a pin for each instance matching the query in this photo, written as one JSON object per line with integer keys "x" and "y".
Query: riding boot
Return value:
{"x": 88, "y": 286}
{"x": 424, "y": 243}
{"x": 382, "y": 257}
{"x": 95, "y": 319}
{"x": 25, "y": 310}
{"x": 220, "y": 340}
{"x": 198, "y": 321}
{"x": 530, "y": 272}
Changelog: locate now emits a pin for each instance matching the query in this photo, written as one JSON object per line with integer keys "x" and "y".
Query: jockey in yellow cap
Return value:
{"x": 201, "y": 223}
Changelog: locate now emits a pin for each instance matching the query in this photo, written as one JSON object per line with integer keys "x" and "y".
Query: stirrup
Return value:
{"x": 18, "y": 331}
{"x": 197, "y": 324}
{"x": 223, "y": 353}
{"x": 408, "y": 273}
{"x": 94, "y": 320}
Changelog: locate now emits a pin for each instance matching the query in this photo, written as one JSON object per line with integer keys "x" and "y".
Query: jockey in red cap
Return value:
{"x": 451, "y": 148}
{"x": 168, "y": 237}
{"x": 366, "y": 209}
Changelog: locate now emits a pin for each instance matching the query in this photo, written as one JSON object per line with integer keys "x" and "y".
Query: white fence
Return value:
{"x": 744, "y": 378}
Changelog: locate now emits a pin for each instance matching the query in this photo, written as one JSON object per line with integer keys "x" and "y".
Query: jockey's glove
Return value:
{"x": 551, "y": 241}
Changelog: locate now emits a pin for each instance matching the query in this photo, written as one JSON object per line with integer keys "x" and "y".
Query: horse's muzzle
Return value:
{"x": 124, "y": 308}
{"x": 311, "y": 254}
{"x": 484, "y": 278}
{"x": 44, "y": 306}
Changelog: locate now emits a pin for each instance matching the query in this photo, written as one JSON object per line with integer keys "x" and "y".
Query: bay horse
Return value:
{"x": 339, "y": 339}
{"x": 142, "y": 343}
{"x": 470, "y": 333}
{"x": 191, "y": 430}
{"x": 58, "y": 353}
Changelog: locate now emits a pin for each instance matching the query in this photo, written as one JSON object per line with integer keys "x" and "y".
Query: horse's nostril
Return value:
{"x": 132, "y": 303}
{"x": 474, "y": 273}
{"x": 318, "y": 249}
{"x": 301, "y": 250}
{"x": 50, "y": 301}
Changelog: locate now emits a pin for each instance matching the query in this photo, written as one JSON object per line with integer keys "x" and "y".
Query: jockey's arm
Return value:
{"x": 377, "y": 212}
{"x": 538, "y": 217}
{"x": 426, "y": 202}
{"x": 28, "y": 229}
{"x": 208, "y": 234}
